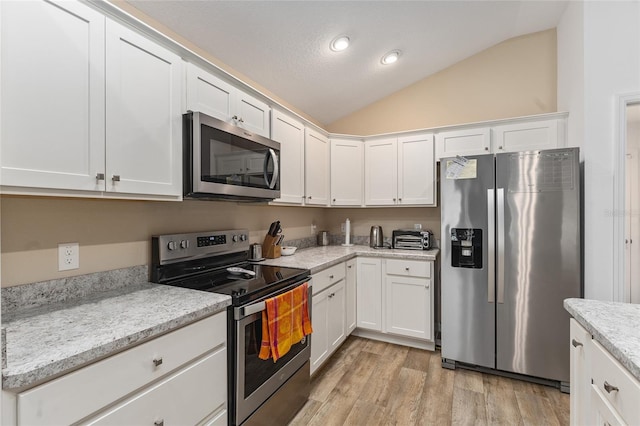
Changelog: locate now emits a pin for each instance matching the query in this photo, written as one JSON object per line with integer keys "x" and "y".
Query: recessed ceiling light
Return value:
{"x": 339, "y": 43}
{"x": 390, "y": 57}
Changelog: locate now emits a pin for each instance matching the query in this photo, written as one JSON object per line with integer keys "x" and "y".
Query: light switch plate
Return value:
{"x": 68, "y": 256}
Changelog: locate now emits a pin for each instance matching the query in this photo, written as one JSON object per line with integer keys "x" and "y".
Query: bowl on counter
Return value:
{"x": 288, "y": 250}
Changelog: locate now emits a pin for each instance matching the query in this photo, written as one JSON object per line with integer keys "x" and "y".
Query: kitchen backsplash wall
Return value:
{"x": 514, "y": 78}
{"x": 116, "y": 234}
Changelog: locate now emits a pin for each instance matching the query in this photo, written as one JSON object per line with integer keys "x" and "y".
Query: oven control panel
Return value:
{"x": 176, "y": 247}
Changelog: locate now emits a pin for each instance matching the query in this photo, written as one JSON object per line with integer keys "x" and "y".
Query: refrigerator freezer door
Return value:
{"x": 468, "y": 311}
{"x": 540, "y": 264}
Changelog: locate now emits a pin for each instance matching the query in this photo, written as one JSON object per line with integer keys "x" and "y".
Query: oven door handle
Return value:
{"x": 254, "y": 308}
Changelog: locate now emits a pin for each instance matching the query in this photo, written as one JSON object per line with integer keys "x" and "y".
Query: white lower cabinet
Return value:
{"x": 603, "y": 391}
{"x": 350, "y": 284}
{"x": 328, "y": 314}
{"x": 409, "y": 298}
{"x": 180, "y": 377}
{"x": 369, "y": 293}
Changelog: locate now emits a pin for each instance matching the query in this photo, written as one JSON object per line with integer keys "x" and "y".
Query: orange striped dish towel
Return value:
{"x": 285, "y": 321}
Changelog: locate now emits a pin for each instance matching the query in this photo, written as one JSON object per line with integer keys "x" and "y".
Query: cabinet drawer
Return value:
{"x": 604, "y": 368}
{"x": 409, "y": 268}
{"x": 329, "y": 276}
{"x": 184, "y": 398}
{"x": 89, "y": 389}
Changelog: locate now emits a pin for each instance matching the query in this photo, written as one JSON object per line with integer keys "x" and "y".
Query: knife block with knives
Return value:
{"x": 271, "y": 244}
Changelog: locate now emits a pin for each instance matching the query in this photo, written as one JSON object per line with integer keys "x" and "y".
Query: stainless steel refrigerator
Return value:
{"x": 510, "y": 256}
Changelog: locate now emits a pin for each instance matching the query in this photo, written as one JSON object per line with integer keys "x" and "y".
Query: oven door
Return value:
{"x": 228, "y": 161}
{"x": 257, "y": 379}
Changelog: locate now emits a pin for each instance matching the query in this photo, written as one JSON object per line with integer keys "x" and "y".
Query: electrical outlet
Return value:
{"x": 68, "y": 256}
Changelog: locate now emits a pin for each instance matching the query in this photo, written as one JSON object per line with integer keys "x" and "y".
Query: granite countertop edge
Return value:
{"x": 618, "y": 337}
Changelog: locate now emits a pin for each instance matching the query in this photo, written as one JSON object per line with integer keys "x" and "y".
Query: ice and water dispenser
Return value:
{"x": 466, "y": 248}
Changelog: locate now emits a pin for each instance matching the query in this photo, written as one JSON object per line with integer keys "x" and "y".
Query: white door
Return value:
{"x": 251, "y": 114}
{"x": 369, "y": 293}
{"x": 408, "y": 306}
{"x": 381, "y": 172}
{"x": 632, "y": 225}
{"x": 144, "y": 122}
{"x": 347, "y": 172}
{"x": 290, "y": 134}
{"x": 350, "y": 285}
{"x": 526, "y": 136}
{"x": 52, "y": 103}
{"x": 320, "y": 336}
{"x": 209, "y": 94}
{"x": 316, "y": 168}
{"x": 416, "y": 171}
{"x": 463, "y": 142}
{"x": 337, "y": 310}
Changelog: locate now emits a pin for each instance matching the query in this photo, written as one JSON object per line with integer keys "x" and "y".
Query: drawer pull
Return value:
{"x": 115, "y": 178}
{"x": 157, "y": 361}
{"x": 575, "y": 343}
{"x": 330, "y": 277}
{"x": 158, "y": 423}
{"x": 610, "y": 388}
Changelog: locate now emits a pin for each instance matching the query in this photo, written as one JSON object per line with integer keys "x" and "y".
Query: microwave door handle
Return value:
{"x": 276, "y": 169}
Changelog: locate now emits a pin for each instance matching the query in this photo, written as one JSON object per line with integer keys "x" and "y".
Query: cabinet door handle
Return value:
{"x": 399, "y": 199}
{"x": 486, "y": 148}
{"x": 241, "y": 120}
{"x": 116, "y": 178}
{"x": 330, "y": 277}
{"x": 349, "y": 266}
{"x": 159, "y": 422}
{"x": 100, "y": 176}
{"x": 610, "y": 388}
{"x": 394, "y": 200}
{"x": 234, "y": 118}
{"x": 575, "y": 343}
{"x": 500, "y": 147}
{"x": 309, "y": 196}
{"x": 334, "y": 200}
{"x": 406, "y": 269}
{"x": 157, "y": 361}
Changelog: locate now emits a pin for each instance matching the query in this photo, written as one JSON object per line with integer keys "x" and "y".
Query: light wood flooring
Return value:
{"x": 367, "y": 382}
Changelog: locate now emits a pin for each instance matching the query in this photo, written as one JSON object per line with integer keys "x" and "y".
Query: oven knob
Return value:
{"x": 234, "y": 238}
{"x": 184, "y": 244}
{"x": 243, "y": 237}
{"x": 171, "y": 245}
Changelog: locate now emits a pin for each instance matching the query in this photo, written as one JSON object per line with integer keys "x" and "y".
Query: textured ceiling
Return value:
{"x": 284, "y": 45}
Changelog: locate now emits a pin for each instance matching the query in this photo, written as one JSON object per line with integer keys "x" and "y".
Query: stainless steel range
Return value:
{"x": 258, "y": 390}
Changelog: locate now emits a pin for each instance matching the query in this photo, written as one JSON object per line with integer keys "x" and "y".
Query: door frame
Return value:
{"x": 620, "y": 291}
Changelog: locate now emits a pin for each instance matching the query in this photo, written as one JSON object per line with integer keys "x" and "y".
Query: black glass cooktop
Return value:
{"x": 243, "y": 287}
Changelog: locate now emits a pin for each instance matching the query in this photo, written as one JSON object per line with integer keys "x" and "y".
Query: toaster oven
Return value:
{"x": 411, "y": 239}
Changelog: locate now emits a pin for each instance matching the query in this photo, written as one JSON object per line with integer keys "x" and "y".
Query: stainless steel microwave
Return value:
{"x": 223, "y": 161}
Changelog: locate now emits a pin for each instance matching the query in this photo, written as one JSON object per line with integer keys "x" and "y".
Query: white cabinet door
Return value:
{"x": 320, "y": 336}
{"x": 290, "y": 133}
{"x": 213, "y": 96}
{"x": 336, "y": 320}
{"x": 463, "y": 142}
{"x": 52, "y": 104}
{"x": 208, "y": 94}
{"x": 316, "y": 168}
{"x": 544, "y": 134}
{"x": 369, "y": 293}
{"x": 416, "y": 170}
{"x": 580, "y": 379}
{"x": 347, "y": 158}
{"x": 381, "y": 172}
{"x": 350, "y": 284}
{"x": 408, "y": 306}
{"x": 143, "y": 115}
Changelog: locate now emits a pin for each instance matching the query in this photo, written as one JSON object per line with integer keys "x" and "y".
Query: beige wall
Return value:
{"x": 514, "y": 78}
{"x": 115, "y": 234}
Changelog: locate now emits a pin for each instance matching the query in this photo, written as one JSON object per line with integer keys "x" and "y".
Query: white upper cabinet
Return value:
{"x": 52, "y": 123}
{"x": 347, "y": 174}
{"x": 463, "y": 142}
{"x": 290, "y": 133}
{"x": 316, "y": 166}
{"x": 144, "y": 125}
{"x": 381, "y": 172}
{"x": 528, "y": 136}
{"x": 416, "y": 170}
{"x": 213, "y": 96}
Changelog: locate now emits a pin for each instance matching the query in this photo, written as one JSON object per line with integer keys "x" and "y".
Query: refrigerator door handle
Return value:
{"x": 500, "y": 243}
{"x": 491, "y": 241}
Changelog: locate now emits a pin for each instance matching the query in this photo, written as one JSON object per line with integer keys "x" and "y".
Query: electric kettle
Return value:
{"x": 375, "y": 237}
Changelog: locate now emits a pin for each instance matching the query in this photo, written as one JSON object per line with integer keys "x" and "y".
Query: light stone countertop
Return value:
{"x": 616, "y": 326}
{"x": 318, "y": 258}
{"x": 50, "y": 340}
